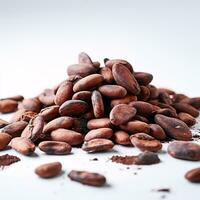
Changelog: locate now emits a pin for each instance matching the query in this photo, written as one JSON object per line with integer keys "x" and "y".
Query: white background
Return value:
{"x": 40, "y": 38}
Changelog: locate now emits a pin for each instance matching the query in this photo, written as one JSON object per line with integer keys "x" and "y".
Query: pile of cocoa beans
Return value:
{"x": 95, "y": 108}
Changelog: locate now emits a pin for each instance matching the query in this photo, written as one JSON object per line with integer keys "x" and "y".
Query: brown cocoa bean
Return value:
{"x": 84, "y": 58}
{"x": 97, "y": 145}
{"x": 167, "y": 112}
{"x": 68, "y": 136}
{"x": 55, "y": 147}
{"x": 15, "y": 129}
{"x": 187, "y": 118}
{"x": 125, "y": 100}
{"x": 60, "y": 122}
{"x": 153, "y": 92}
{"x": 112, "y": 91}
{"x": 145, "y": 142}
{"x": 147, "y": 158}
{"x": 73, "y": 108}
{"x": 195, "y": 102}
{"x": 49, "y": 170}
{"x": 34, "y": 129}
{"x": 47, "y": 97}
{"x": 157, "y": 132}
{"x": 122, "y": 114}
{"x": 81, "y": 70}
{"x": 83, "y": 95}
{"x": 193, "y": 175}
{"x": 144, "y": 93}
{"x": 64, "y": 93}
{"x": 97, "y": 104}
{"x": 87, "y": 178}
{"x": 121, "y": 137}
{"x": 99, "y": 123}
{"x": 107, "y": 74}
{"x": 124, "y": 78}
{"x": 183, "y": 107}
{"x": 105, "y": 133}
{"x": 173, "y": 127}
{"x": 135, "y": 127}
{"x": 184, "y": 150}
{"x": 32, "y": 104}
{"x": 8, "y": 106}
{"x": 165, "y": 98}
{"x": 143, "y": 78}
{"x": 22, "y": 145}
{"x": 49, "y": 113}
{"x": 4, "y": 140}
{"x": 14, "y": 98}
{"x": 88, "y": 82}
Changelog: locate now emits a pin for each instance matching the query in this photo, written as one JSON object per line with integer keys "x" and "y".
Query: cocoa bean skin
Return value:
{"x": 112, "y": 91}
{"x": 63, "y": 135}
{"x": 22, "y": 145}
{"x": 49, "y": 113}
{"x": 88, "y": 83}
{"x": 97, "y": 104}
{"x": 97, "y": 145}
{"x": 124, "y": 78}
{"x": 8, "y": 106}
{"x": 64, "y": 93}
{"x": 193, "y": 175}
{"x": 105, "y": 133}
{"x": 49, "y": 170}
{"x": 73, "y": 108}
{"x": 173, "y": 127}
{"x": 99, "y": 123}
{"x": 145, "y": 142}
{"x": 60, "y": 122}
{"x": 55, "y": 147}
{"x": 15, "y": 129}
{"x": 4, "y": 140}
{"x": 184, "y": 150}
{"x": 121, "y": 137}
{"x": 122, "y": 114}
{"x": 136, "y": 126}
{"x": 87, "y": 178}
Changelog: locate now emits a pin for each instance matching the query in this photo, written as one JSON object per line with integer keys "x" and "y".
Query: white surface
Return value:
{"x": 38, "y": 39}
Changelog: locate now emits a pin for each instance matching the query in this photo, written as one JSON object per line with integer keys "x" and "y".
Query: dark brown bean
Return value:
{"x": 68, "y": 136}
{"x": 82, "y": 95}
{"x": 55, "y": 147}
{"x": 8, "y": 106}
{"x": 145, "y": 142}
{"x": 34, "y": 129}
{"x": 124, "y": 78}
{"x": 147, "y": 158}
{"x": 49, "y": 170}
{"x": 157, "y": 132}
{"x": 105, "y": 133}
{"x": 15, "y": 129}
{"x": 195, "y": 102}
{"x": 64, "y": 93}
{"x": 97, "y": 145}
{"x": 99, "y": 123}
{"x": 143, "y": 78}
{"x": 4, "y": 140}
{"x": 97, "y": 104}
{"x": 87, "y": 178}
{"x": 49, "y": 113}
{"x": 144, "y": 93}
{"x": 22, "y": 145}
{"x": 184, "y": 150}
{"x": 112, "y": 91}
{"x": 193, "y": 175}
{"x": 153, "y": 92}
{"x": 60, "y": 122}
{"x": 165, "y": 98}
{"x": 135, "y": 127}
{"x": 122, "y": 114}
{"x": 88, "y": 82}
{"x": 73, "y": 108}
{"x": 183, "y": 107}
{"x": 173, "y": 127}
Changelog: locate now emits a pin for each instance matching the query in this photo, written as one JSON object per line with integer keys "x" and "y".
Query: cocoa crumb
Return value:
{"x": 126, "y": 160}
{"x": 6, "y": 160}
{"x": 94, "y": 159}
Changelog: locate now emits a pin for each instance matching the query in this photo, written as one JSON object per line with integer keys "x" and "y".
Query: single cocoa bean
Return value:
{"x": 49, "y": 113}
{"x": 83, "y": 95}
{"x": 193, "y": 175}
{"x": 8, "y": 106}
{"x": 125, "y": 100}
{"x": 187, "y": 118}
{"x": 121, "y": 137}
{"x": 47, "y": 97}
{"x": 143, "y": 78}
{"x": 97, "y": 104}
{"x": 4, "y": 140}
{"x": 110, "y": 64}
{"x": 157, "y": 132}
{"x": 32, "y": 104}
{"x": 99, "y": 123}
